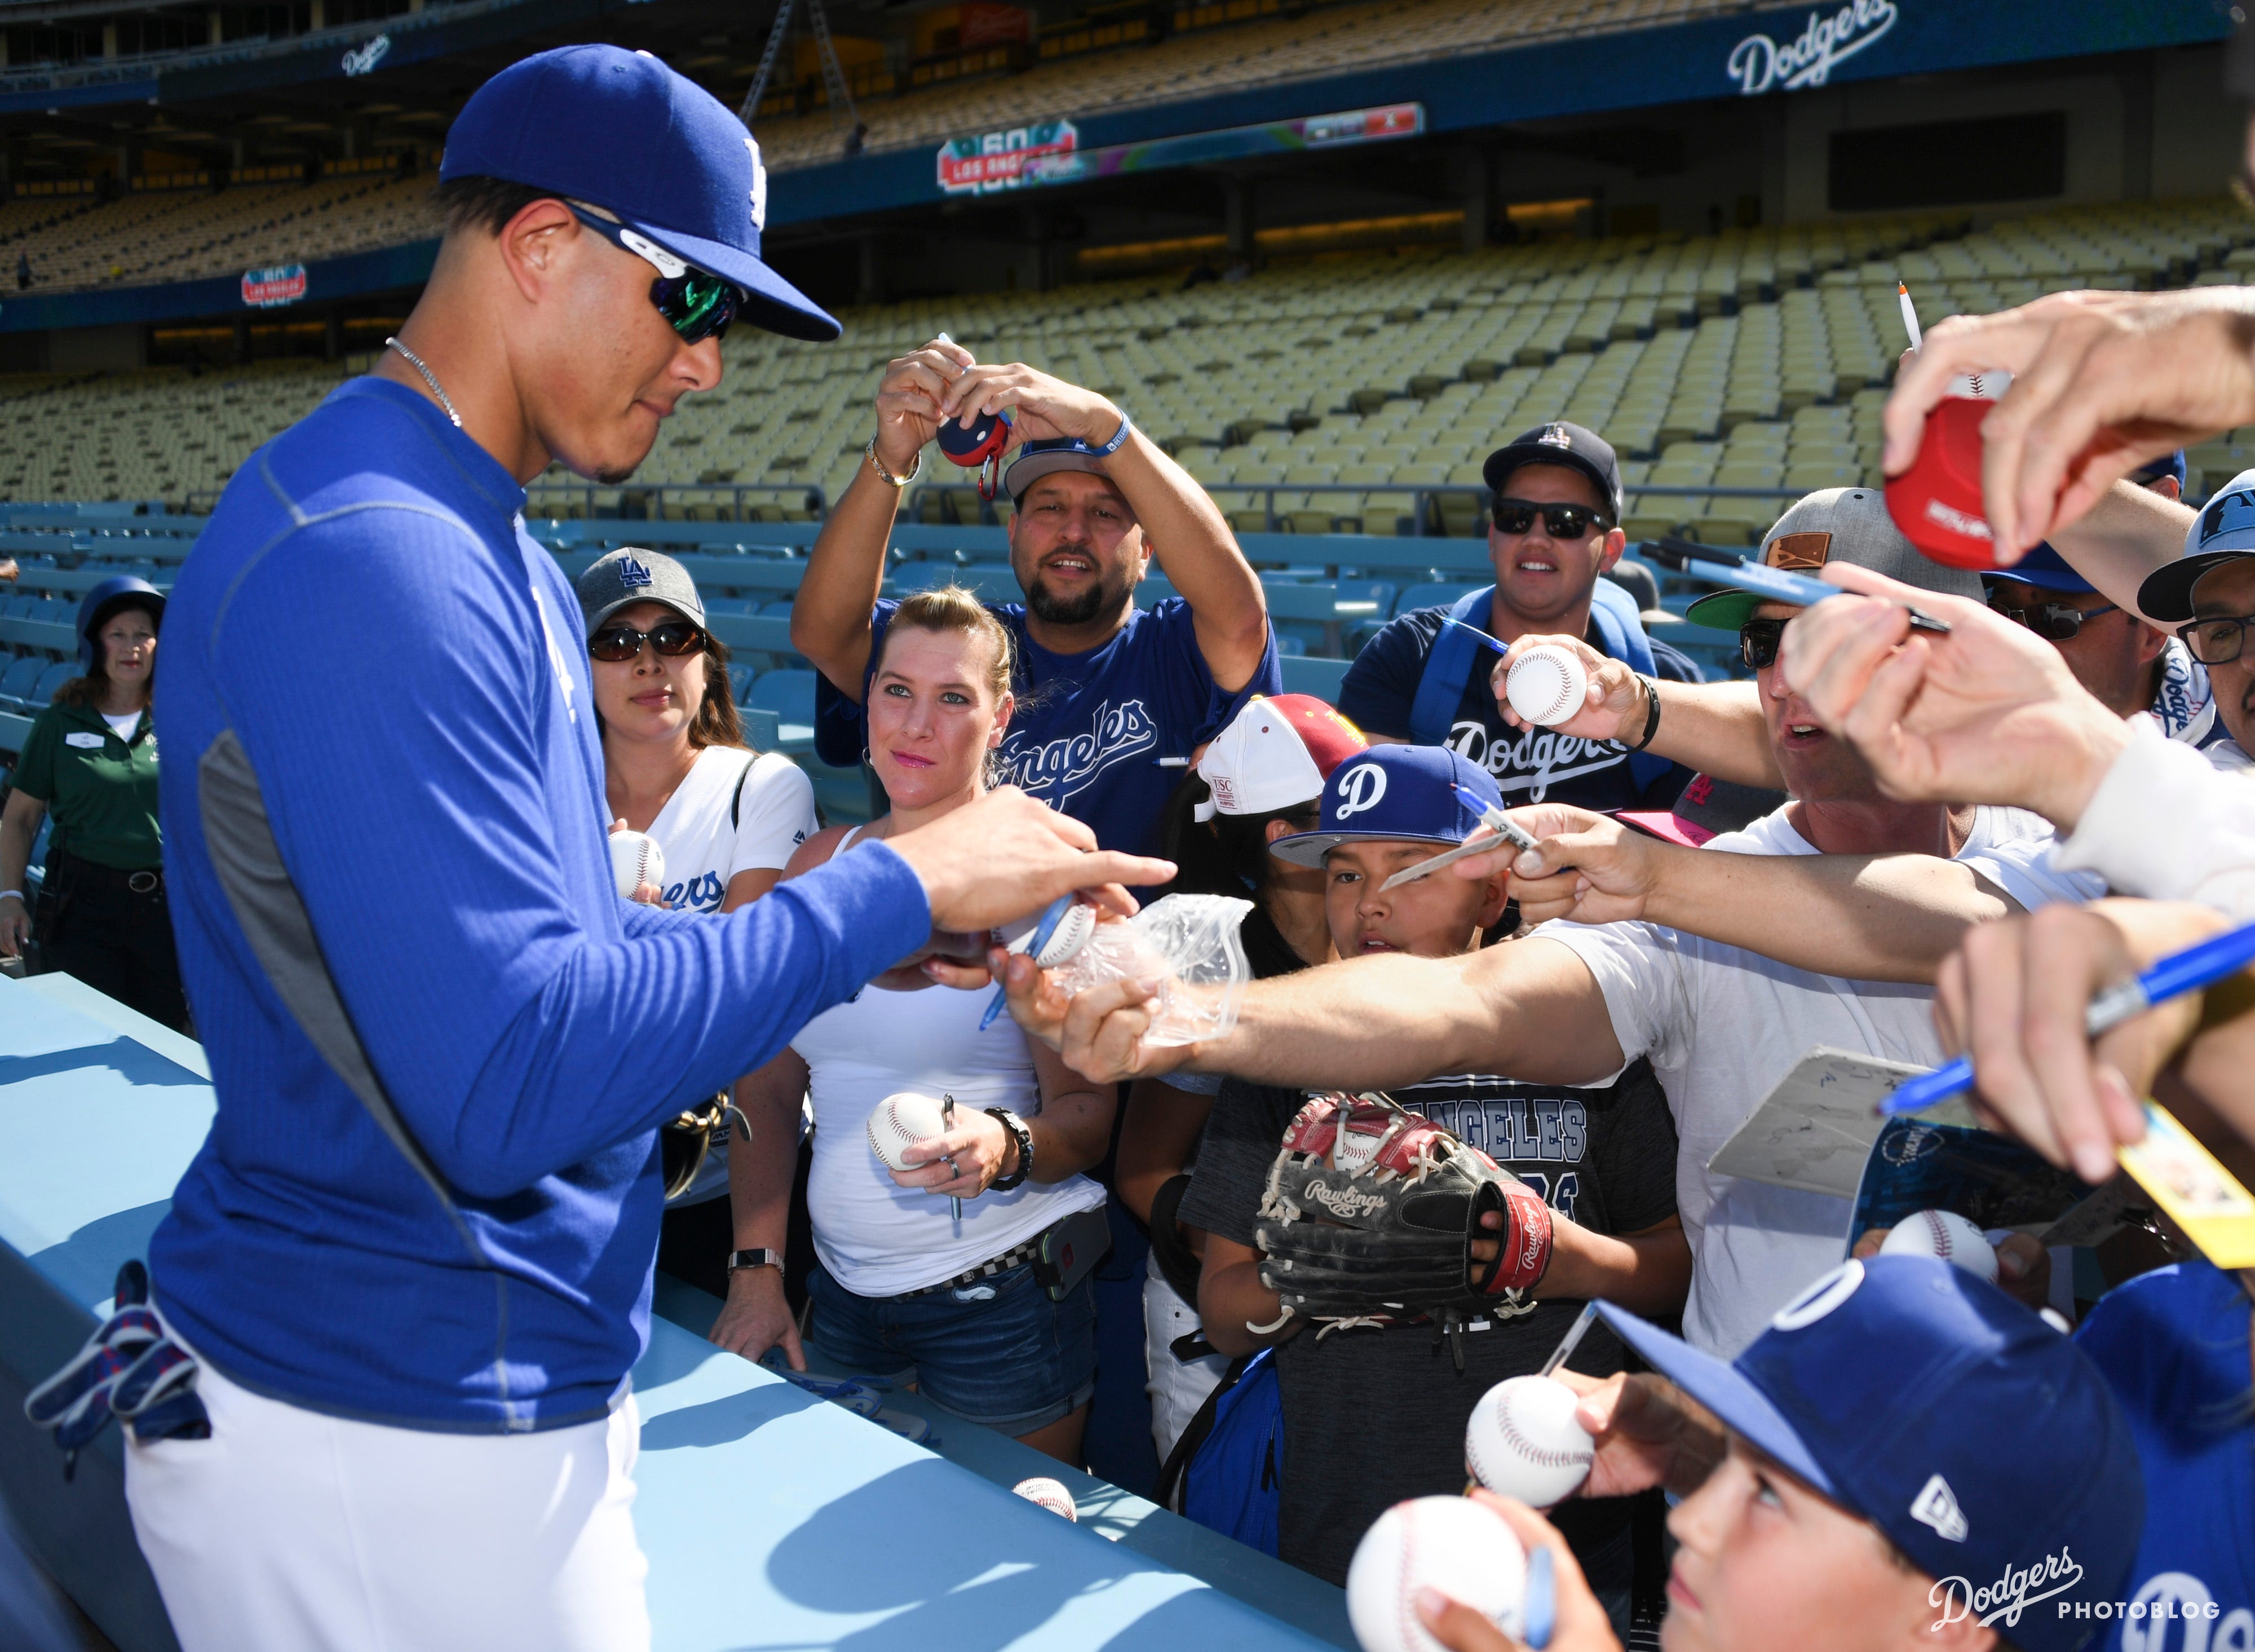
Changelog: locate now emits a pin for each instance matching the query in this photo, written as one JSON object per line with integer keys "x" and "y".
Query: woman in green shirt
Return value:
{"x": 91, "y": 761}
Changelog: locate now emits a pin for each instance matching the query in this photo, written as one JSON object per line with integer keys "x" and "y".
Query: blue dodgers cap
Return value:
{"x": 2045, "y": 567}
{"x": 1984, "y": 1444}
{"x": 620, "y": 130}
{"x": 1396, "y": 793}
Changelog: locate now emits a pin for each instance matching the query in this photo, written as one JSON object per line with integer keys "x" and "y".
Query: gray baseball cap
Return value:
{"x": 630, "y": 575}
{"x": 1836, "y": 525}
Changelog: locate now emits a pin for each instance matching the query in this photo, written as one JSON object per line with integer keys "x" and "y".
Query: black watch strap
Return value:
{"x": 756, "y": 1258}
{"x": 1017, "y": 1127}
{"x": 1651, "y": 715}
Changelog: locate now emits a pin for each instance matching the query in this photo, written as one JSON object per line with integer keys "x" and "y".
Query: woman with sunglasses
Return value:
{"x": 907, "y": 1283}
{"x": 725, "y": 818}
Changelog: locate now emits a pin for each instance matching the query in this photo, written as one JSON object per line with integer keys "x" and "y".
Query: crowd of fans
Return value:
{"x": 1969, "y": 830}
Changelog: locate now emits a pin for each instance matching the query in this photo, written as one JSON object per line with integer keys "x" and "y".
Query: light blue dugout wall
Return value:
{"x": 773, "y": 1521}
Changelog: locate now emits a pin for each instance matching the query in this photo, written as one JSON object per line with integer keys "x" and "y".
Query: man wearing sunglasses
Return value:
{"x": 413, "y": 1257}
{"x": 1553, "y": 530}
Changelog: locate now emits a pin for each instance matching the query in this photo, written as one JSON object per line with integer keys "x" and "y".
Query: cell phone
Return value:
{"x": 1071, "y": 1250}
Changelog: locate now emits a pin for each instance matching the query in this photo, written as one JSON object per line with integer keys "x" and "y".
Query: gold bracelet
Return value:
{"x": 878, "y": 465}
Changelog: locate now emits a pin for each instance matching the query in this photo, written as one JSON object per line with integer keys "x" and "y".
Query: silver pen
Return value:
{"x": 947, "y": 1119}
{"x": 1501, "y": 829}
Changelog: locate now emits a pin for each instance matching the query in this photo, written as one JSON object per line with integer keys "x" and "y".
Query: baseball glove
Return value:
{"x": 1370, "y": 1214}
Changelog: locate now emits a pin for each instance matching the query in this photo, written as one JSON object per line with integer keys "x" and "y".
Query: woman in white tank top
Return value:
{"x": 904, "y": 1285}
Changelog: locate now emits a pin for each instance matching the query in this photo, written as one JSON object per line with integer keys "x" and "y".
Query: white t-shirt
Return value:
{"x": 1723, "y": 1026}
{"x": 124, "y": 723}
{"x": 773, "y": 814}
{"x": 876, "y": 1237}
{"x": 704, "y": 847}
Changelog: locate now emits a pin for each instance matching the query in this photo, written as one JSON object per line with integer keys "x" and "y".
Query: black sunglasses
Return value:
{"x": 1758, "y": 641}
{"x": 697, "y": 304}
{"x": 2053, "y": 622}
{"x": 1563, "y": 522}
{"x": 2217, "y": 642}
{"x": 614, "y": 644}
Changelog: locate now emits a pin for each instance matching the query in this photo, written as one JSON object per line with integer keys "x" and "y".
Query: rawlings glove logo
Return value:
{"x": 1346, "y": 1201}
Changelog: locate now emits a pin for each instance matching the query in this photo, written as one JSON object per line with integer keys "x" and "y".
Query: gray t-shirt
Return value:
{"x": 1372, "y": 1415}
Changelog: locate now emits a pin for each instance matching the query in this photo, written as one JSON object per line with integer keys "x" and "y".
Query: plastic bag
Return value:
{"x": 1189, "y": 945}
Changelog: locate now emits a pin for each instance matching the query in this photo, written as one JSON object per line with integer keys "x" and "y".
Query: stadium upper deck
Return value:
{"x": 1344, "y": 389}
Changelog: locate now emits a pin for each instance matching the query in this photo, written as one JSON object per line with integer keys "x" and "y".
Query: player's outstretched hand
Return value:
{"x": 1614, "y": 702}
{"x": 1648, "y": 1432}
{"x": 1988, "y": 713}
{"x": 2013, "y": 995}
{"x": 2103, "y": 383}
{"x": 1580, "y": 1623}
{"x": 756, "y": 1318}
{"x": 1007, "y": 855}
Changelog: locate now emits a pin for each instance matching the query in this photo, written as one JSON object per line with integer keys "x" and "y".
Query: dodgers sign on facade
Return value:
{"x": 277, "y": 284}
{"x": 362, "y": 59}
{"x": 1759, "y": 64}
{"x": 998, "y": 160}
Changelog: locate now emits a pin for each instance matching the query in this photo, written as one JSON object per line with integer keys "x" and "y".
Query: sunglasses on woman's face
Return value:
{"x": 1515, "y": 517}
{"x": 615, "y": 644}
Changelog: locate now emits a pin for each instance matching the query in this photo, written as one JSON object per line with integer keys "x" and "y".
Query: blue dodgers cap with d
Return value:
{"x": 1396, "y": 793}
{"x": 1984, "y": 1444}
{"x": 620, "y": 130}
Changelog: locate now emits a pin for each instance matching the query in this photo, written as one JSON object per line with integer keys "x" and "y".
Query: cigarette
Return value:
{"x": 1910, "y": 315}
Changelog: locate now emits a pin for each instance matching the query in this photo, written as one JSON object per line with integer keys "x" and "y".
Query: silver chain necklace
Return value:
{"x": 429, "y": 377}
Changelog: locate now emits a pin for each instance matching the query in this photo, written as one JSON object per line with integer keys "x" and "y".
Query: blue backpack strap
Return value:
{"x": 1449, "y": 668}
{"x": 1621, "y": 634}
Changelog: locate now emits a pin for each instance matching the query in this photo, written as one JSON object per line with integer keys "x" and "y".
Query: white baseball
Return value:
{"x": 899, "y": 1120}
{"x": 1050, "y": 1495}
{"x": 1946, "y": 1235}
{"x": 1522, "y": 1441}
{"x": 1074, "y": 927}
{"x": 1451, "y": 1543}
{"x": 1546, "y": 684}
{"x": 635, "y": 859}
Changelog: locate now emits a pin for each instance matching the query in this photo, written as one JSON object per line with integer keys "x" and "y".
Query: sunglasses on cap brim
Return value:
{"x": 697, "y": 304}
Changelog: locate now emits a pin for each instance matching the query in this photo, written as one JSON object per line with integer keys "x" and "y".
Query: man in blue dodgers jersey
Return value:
{"x": 1553, "y": 530}
{"x": 413, "y": 1256}
{"x": 1112, "y": 699}
{"x": 1602, "y": 1158}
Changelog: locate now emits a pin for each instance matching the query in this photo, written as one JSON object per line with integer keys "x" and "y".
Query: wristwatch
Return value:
{"x": 1017, "y": 1127}
{"x": 756, "y": 1258}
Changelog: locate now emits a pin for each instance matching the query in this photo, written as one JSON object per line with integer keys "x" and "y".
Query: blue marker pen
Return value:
{"x": 2194, "y": 969}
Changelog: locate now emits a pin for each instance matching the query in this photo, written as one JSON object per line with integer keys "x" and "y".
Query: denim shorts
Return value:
{"x": 999, "y": 1352}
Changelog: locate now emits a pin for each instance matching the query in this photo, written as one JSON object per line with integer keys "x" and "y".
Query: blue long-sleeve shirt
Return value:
{"x": 373, "y": 682}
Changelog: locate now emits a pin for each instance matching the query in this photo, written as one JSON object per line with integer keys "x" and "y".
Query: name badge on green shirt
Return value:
{"x": 83, "y": 741}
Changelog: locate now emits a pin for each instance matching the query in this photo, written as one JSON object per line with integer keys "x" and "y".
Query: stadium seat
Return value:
{"x": 16, "y": 681}
{"x": 790, "y": 695}
{"x": 1414, "y": 597}
{"x": 52, "y": 677}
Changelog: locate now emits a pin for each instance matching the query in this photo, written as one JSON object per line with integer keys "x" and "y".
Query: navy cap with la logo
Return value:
{"x": 1559, "y": 442}
{"x": 1981, "y": 1441}
{"x": 620, "y": 130}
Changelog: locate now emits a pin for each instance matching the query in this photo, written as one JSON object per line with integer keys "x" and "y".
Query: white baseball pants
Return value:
{"x": 1176, "y": 1390}
{"x": 290, "y": 1532}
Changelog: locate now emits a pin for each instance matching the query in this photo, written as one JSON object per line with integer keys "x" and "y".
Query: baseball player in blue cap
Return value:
{"x": 413, "y": 1260}
{"x": 1906, "y": 1457}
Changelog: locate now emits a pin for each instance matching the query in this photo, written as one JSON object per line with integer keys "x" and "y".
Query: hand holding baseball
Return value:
{"x": 1580, "y": 1623}
{"x": 960, "y": 1162}
{"x": 1648, "y": 1432}
{"x": 1614, "y": 706}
